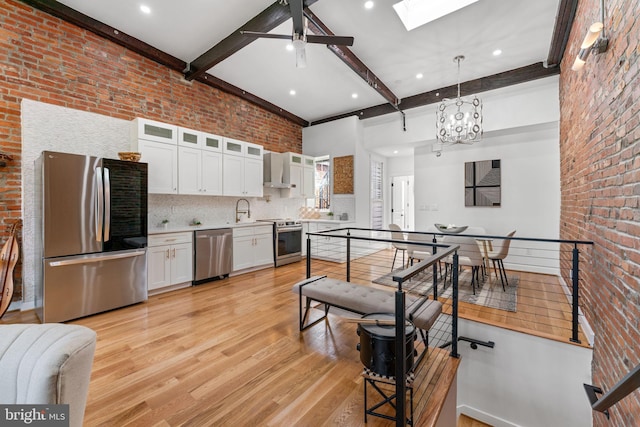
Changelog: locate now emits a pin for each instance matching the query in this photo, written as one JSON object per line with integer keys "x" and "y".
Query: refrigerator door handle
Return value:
{"x": 99, "y": 204}
{"x": 107, "y": 204}
{"x": 95, "y": 259}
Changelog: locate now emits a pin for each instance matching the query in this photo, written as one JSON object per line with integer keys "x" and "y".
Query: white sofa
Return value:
{"x": 47, "y": 364}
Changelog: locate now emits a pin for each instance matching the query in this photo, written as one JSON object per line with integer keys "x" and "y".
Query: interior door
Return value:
{"x": 402, "y": 204}
{"x": 398, "y": 201}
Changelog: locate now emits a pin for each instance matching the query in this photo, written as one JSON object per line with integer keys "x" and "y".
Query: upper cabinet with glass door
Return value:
{"x": 157, "y": 143}
{"x": 242, "y": 168}
{"x": 202, "y": 140}
{"x": 150, "y": 130}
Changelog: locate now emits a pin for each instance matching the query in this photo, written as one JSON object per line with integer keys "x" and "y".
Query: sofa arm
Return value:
{"x": 48, "y": 363}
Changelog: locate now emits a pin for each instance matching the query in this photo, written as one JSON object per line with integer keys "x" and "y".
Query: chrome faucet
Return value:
{"x": 247, "y": 211}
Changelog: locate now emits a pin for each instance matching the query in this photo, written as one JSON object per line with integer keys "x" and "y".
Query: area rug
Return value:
{"x": 489, "y": 291}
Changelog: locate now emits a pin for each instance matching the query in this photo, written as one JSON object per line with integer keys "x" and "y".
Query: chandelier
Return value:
{"x": 459, "y": 121}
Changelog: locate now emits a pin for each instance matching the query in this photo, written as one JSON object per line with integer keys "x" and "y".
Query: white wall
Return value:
{"x": 510, "y": 107}
{"x": 521, "y": 129}
{"x": 343, "y": 138}
{"x": 530, "y": 183}
{"x": 523, "y": 381}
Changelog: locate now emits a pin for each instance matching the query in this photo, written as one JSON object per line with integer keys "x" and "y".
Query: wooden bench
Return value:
{"x": 362, "y": 299}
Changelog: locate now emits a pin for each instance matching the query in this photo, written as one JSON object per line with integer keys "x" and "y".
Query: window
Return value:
{"x": 377, "y": 204}
{"x": 323, "y": 183}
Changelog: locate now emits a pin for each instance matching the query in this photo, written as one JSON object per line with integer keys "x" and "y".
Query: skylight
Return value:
{"x": 415, "y": 13}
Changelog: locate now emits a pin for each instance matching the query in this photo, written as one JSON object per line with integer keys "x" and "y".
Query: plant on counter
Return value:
{"x": 195, "y": 222}
{"x": 165, "y": 221}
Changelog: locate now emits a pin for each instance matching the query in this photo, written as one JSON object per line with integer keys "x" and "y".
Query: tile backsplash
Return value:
{"x": 181, "y": 210}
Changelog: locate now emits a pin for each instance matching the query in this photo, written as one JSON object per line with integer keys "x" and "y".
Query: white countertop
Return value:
{"x": 337, "y": 221}
{"x": 182, "y": 228}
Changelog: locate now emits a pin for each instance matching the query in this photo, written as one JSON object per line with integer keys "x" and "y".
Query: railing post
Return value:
{"x": 348, "y": 256}
{"x": 574, "y": 312}
{"x": 454, "y": 306}
{"x": 435, "y": 271}
{"x": 308, "y": 256}
{"x": 401, "y": 359}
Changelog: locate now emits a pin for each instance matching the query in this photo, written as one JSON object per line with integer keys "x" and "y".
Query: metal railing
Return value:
{"x": 622, "y": 389}
{"x": 542, "y": 275}
{"x": 447, "y": 323}
{"x": 546, "y": 273}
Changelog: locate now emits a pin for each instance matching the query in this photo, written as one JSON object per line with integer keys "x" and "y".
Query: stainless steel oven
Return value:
{"x": 287, "y": 241}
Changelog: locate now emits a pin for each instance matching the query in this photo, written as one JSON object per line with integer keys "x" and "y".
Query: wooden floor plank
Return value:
{"x": 229, "y": 353}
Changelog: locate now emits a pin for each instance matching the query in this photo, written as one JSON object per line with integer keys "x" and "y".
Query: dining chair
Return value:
{"x": 418, "y": 252}
{"x": 397, "y": 236}
{"x": 479, "y": 231}
{"x": 498, "y": 254}
{"x": 469, "y": 255}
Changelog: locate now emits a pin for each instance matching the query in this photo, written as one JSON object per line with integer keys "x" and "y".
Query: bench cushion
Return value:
{"x": 364, "y": 299}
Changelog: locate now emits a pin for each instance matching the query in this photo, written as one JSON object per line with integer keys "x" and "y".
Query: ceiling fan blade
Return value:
{"x": 297, "y": 16}
{"x": 336, "y": 40}
{"x": 264, "y": 35}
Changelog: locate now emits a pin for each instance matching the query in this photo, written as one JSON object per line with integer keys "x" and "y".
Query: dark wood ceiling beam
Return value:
{"x": 562, "y": 29}
{"x": 234, "y": 90}
{"x": 65, "y": 13}
{"x": 348, "y": 57}
{"x": 264, "y": 22}
{"x": 483, "y": 84}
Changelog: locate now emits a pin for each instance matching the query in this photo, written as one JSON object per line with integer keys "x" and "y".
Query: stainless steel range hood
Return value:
{"x": 273, "y": 171}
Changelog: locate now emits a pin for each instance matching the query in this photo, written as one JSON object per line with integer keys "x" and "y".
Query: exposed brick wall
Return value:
{"x": 600, "y": 181}
{"x": 45, "y": 59}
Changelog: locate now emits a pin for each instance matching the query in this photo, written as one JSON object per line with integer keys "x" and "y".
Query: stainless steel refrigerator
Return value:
{"x": 91, "y": 235}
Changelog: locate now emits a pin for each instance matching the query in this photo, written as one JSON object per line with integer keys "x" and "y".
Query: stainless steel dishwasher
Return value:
{"x": 213, "y": 254}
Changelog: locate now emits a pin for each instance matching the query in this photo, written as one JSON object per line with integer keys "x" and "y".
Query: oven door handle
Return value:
{"x": 286, "y": 229}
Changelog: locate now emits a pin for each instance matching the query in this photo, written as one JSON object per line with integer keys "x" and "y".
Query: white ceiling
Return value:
{"x": 522, "y": 29}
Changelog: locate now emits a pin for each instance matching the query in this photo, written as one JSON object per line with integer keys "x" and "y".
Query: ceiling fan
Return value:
{"x": 300, "y": 38}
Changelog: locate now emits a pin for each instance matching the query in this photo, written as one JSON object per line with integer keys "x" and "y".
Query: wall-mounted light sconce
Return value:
{"x": 595, "y": 41}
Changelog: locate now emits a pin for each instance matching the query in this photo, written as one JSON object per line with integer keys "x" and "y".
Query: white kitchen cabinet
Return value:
{"x": 211, "y": 173}
{"x": 157, "y": 144}
{"x": 211, "y": 142}
{"x": 169, "y": 260}
{"x": 252, "y": 247}
{"x": 242, "y": 169}
{"x": 253, "y": 177}
{"x": 299, "y": 171}
{"x": 163, "y": 166}
{"x": 189, "y": 170}
{"x": 197, "y": 139}
{"x": 150, "y": 130}
{"x": 189, "y": 138}
{"x": 308, "y": 177}
{"x": 325, "y": 247}
{"x": 199, "y": 172}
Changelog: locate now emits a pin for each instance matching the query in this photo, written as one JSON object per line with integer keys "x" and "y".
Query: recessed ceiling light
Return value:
{"x": 497, "y": 52}
{"x": 395, "y": 151}
{"x": 419, "y": 76}
{"x": 292, "y": 92}
{"x": 289, "y": 47}
{"x": 368, "y": 4}
{"x": 145, "y": 9}
{"x": 354, "y": 95}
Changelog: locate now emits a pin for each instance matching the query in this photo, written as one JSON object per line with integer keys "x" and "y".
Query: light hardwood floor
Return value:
{"x": 228, "y": 353}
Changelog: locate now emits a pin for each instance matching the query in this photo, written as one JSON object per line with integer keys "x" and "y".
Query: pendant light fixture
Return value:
{"x": 459, "y": 121}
